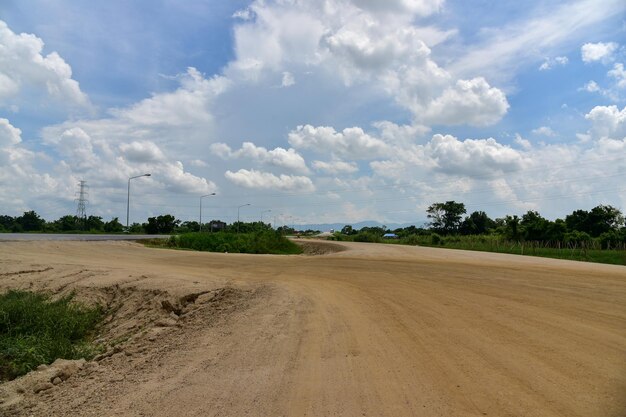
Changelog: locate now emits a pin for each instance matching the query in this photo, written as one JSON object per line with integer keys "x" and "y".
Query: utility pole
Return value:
{"x": 81, "y": 210}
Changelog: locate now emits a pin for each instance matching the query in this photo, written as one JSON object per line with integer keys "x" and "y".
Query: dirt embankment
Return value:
{"x": 318, "y": 247}
{"x": 142, "y": 328}
{"x": 375, "y": 330}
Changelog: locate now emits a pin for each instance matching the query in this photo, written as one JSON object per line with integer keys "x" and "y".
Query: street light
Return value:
{"x": 264, "y": 211}
{"x": 208, "y": 195}
{"x": 128, "y": 196}
{"x": 243, "y": 205}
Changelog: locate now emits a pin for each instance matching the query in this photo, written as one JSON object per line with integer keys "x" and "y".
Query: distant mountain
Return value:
{"x": 325, "y": 227}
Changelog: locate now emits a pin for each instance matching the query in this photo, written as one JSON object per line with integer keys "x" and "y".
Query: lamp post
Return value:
{"x": 264, "y": 211}
{"x": 243, "y": 205}
{"x": 128, "y": 197}
{"x": 207, "y": 195}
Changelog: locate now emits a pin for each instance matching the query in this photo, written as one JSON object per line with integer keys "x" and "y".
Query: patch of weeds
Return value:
{"x": 35, "y": 330}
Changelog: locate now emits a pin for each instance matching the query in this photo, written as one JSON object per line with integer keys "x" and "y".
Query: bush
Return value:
{"x": 435, "y": 239}
{"x": 259, "y": 242}
{"x": 613, "y": 239}
{"x": 576, "y": 237}
{"x": 35, "y": 330}
{"x": 367, "y": 237}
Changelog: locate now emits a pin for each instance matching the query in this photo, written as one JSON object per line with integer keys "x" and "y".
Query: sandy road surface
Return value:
{"x": 376, "y": 330}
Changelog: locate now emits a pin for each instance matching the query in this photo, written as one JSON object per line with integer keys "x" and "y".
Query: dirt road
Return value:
{"x": 374, "y": 330}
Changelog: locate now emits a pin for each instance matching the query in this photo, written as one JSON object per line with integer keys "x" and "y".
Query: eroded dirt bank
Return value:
{"x": 372, "y": 330}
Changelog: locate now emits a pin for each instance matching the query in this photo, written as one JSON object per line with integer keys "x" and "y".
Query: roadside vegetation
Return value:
{"x": 597, "y": 235}
{"x": 35, "y": 330}
{"x": 255, "y": 237}
{"x": 255, "y": 242}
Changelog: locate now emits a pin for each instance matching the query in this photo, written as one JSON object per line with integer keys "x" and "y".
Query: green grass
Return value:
{"x": 259, "y": 242}
{"x": 493, "y": 244}
{"x": 35, "y": 330}
{"x": 588, "y": 251}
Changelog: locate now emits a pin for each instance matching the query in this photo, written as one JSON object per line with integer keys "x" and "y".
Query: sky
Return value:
{"x": 325, "y": 111}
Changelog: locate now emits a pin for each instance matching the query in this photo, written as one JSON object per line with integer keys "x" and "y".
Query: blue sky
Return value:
{"x": 321, "y": 111}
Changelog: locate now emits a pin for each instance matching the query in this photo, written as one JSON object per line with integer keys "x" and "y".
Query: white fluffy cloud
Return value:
{"x": 619, "y": 74}
{"x": 592, "y": 52}
{"x": 472, "y": 102}
{"x": 544, "y": 131}
{"x": 141, "y": 151}
{"x": 352, "y": 143}
{"x": 417, "y": 7}
{"x": 551, "y": 63}
{"x": 473, "y": 156}
{"x": 279, "y": 157}
{"x": 607, "y": 122}
{"x": 9, "y": 135}
{"x": 186, "y": 105}
{"x": 288, "y": 79}
{"x": 335, "y": 167}
{"x": 22, "y": 64}
{"x": 364, "y": 43}
{"x": 266, "y": 180}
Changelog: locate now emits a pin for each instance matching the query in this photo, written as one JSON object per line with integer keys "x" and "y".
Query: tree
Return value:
{"x": 347, "y": 230}
{"x": 446, "y": 217}
{"x": 66, "y": 223}
{"x": 603, "y": 219}
{"x": 30, "y": 222}
{"x": 94, "y": 223}
{"x": 534, "y": 226}
{"x": 114, "y": 226}
{"x": 599, "y": 220}
{"x": 512, "y": 227}
{"x": 477, "y": 223}
{"x": 189, "y": 226}
{"x": 161, "y": 224}
{"x": 6, "y": 223}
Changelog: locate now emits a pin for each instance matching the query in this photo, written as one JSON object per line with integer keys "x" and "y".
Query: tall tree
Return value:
{"x": 31, "y": 222}
{"x": 446, "y": 217}
{"x": 477, "y": 223}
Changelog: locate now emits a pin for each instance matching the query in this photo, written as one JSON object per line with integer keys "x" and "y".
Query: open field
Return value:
{"x": 372, "y": 330}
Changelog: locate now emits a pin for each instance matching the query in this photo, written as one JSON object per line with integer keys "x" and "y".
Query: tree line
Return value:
{"x": 30, "y": 221}
{"x": 603, "y": 223}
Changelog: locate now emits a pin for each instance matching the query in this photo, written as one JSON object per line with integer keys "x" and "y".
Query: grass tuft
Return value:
{"x": 35, "y": 330}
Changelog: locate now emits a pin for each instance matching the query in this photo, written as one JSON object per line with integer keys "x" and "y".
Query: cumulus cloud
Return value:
{"x": 417, "y": 7}
{"x": 280, "y": 157}
{"x": 472, "y": 102}
{"x": 9, "y": 135}
{"x": 266, "y": 180}
{"x": 83, "y": 154}
{"x": 335, "y": 167}
{"x": 607, "y": 122}
{"x": 141, "y": 151}
{"x": 544, "y": 131}
{"x": 351, "y": 143}
{"x": 288, "y": 79}
{"x": 472, "y": 156}
{"x": 188, "y": 104}
{"x": 593, "y": 52}
{"x": 551, "y": 63}
{"x": 524, "y": 143}
{"x": 619, "y": 74}
{"x": 22, "y": 64}
{"x": 591, "y": 87}
{"x": 363, "y": 42}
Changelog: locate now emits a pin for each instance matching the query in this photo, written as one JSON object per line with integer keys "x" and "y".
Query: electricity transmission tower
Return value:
{"x": 81, "y": 212}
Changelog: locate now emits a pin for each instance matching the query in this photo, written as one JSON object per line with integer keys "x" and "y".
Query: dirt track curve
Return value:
{"x": 374, "y": 330}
